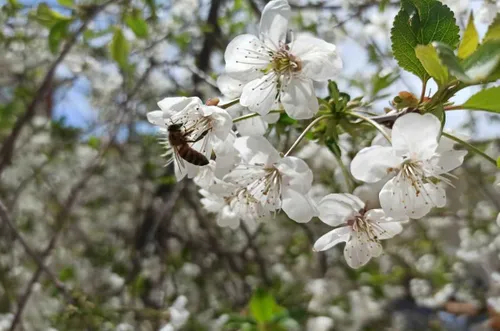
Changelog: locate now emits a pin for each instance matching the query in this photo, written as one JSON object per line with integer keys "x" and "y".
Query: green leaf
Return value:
{"x": 57, "y": 33}
{"x": 483, "y": 62}
{"x": 66, "y": 3}
{"x": 420, "y": 22}
{"x": 44, "y": 13}
{"x": 429, "y": 58}
{"x": 493, "y": 30}
{"x": 94, "y": 142}
{"x": 498, "y": 162}
{"x": 488, "y": 99}
{"x": 137, "y": 24}
{"x": 262, "y": 306}
{"x": 470, "y": 40}
{"x": 119, "y": 48}
{"x": 152, "y": 7}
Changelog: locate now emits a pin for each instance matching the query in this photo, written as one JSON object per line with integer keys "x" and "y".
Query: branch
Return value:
{"x": 6, "y": 152}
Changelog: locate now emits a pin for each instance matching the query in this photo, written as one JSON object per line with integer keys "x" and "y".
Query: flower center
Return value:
{"x": 413, "y": 172}
{"x": 267, "y": 189}
{"x": 283, "y": 62}
{"x": 360, "y": 224}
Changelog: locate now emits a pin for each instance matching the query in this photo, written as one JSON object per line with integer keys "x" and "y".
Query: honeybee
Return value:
{"x": 179, "y": 142}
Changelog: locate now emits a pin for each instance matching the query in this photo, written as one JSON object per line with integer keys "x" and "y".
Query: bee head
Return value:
{"x": 175, "y": 127}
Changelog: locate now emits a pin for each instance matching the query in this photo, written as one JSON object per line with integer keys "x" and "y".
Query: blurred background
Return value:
{"x": 95, "y": 233}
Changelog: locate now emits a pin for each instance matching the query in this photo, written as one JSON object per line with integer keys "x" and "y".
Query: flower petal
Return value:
{"x": 254, "y": 126}
{"x": 356, "y": 251}
{"x": 298, "y": 98}
{"x": 274, "y": 22}
{"x": 416, "y": 135}
{"x": 297, "y": 206}
{"x": 335, "y": 209}
{"x": 221, "y": 120}
{"x": 174, "y": 105}
{"x": 445, "y": 162}
{"x": 332, "y": 238}
{"x": 371, "y": 164}
{"x": 256, "y": 150}
{"x": 319, "y": 59}
{"x": 230, "y": 87}
{"x": 297, "y": 174}
{"x": 156, "y": 118}
{"x": 245, "y": 56}
{"x": 260, "y": 94}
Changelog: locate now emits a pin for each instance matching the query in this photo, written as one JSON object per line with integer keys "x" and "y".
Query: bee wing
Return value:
{"x": 179, "y": 165}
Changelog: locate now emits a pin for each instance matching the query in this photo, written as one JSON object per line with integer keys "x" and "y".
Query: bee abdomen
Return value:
{"x": 192, "y": 156}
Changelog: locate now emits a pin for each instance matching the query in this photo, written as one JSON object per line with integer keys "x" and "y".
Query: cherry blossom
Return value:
{"x": 418, "y": 165}
{"x": 208, "y": 126}
{"x": 362, "y": 230}
{"x": 274, "y": 73}
{"x": 276, "y": 182}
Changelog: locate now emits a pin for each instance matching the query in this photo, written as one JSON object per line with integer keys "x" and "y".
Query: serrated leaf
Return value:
{"x": 137, "y": 24}
{"x": 119, "y": 48}
{"x": 493, "y": 30}
{"x": 262, "y": 306}
{"x": 57, "y": 33}
{"x": 420, "y": 22}
{"x": 66, "y": 3}
{"x": 470, "y": 39}
{"x": 429, "y": 58}
{"x": 488, "y": 100}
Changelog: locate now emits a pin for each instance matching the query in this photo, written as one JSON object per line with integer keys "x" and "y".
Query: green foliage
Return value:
{"x": 48, "y": 17}
{"x": 498, "y": 162}
{"x": 493, "y": 30}
{"x": 66, "y": 3}
{"x": 430, "y": 60}
{"x": 480, "y": 67}
{"x": 420, "y": 22}
{"x": 137, "y": 24}
{"x": 488, "y": 99}
{"x": 119, "y": 48}
{"x": 262, "y": 306}
{"x": 470, "y": 39}
{"x": 57, "y": 33}
{"x": 94, "y": 142}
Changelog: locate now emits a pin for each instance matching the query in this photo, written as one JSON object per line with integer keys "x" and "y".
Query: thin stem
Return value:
{"x": 374, "y": 124}
{"x": 456, "y": 107}
{"x": 307, "y": 129}
{"x": 247, "y": 116}
{"x": 424, "y": 87}
{"x": 471, "y": 148}
{"x": 229, "y": 104}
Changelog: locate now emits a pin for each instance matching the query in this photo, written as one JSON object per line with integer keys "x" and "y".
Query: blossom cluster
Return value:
{"x": 243, "y": 178}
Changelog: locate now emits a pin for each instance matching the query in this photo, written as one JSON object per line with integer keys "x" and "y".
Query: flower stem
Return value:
{"x": 247, "y": 116}
{"x": 471, "y": 148}
{"x": 229, "y": 104}
{"x": 457, "y": 107}
{"x": 307, "y": 129}
{"x": 372, "y": 123}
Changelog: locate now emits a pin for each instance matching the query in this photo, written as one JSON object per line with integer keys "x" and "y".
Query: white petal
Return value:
{"x": 245, "y": 56}
{"x": 260, "y": 94}
{"x": 256, "y": 150}
{"x": 399, "y": 198}
{"x": 319, "y": 59}
{"x": 227, "y": 217}
{"x": 416, "y": 135}
{"x": 274, "y": 22}
{"x": 297, "y": 206}
{"x": 445, "y": 162}
{"x": 298, "y": 98}
{"x": 332, "y": 238}
{"x": 356, "y": 251}
{"x": 172, "y": 106}
{"x": 371, "y": 164}
{"x": 383, "y": 227}
{"x": 221, "y": 120}
{"x": 230, "y": 87}
{"x": 335, "y": 209}
{"x": 156, "y": 118}
{"x": 297, "y": 174}
{"x": 244, "y": 175}
{"x": 254, "y": 126}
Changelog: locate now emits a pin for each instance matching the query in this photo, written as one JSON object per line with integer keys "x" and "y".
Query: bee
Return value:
{"x": 179, "y": 142}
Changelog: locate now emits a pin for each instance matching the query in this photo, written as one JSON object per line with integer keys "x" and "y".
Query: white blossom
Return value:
{"x": 276, "y": 182}
{"x": 362, "y": 229}
{"x": 210, "y": 123}
{"x": 273, "y": 72}
{"x": 415, "y": 162}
